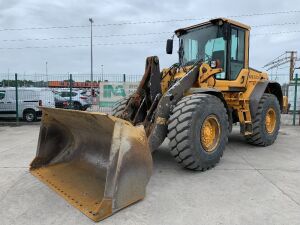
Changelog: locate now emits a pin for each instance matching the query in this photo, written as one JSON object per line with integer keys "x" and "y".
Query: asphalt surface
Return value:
{"x": 251, "y": 185}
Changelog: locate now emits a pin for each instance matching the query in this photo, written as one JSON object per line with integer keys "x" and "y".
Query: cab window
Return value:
{"x": 2, "y": 95}
{"x": 237, "y": 52}
{"x": 215, "y": 50}
{"x": 67, "y": 94}
{"x": 190, "y": 49}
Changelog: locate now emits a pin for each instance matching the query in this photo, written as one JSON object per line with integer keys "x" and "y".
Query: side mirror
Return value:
{"x": 169, "y": 47}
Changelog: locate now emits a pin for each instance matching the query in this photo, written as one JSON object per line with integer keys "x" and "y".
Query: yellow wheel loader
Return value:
{"x": 101, "y": 163}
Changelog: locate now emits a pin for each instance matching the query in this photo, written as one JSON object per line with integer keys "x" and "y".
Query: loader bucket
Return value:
{"x": 98, "y": 163}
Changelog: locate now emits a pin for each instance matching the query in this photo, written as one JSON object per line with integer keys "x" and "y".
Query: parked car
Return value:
{"x": 90, "y": 93}
{"x": 29, "y": 99}
{"x": 79, "y": 101}
{"x": 60, "y": 102}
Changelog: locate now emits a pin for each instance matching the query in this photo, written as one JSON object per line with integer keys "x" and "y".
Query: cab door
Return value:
{"x": 237, "y": 52}
{"x": 236, "y": 61}
{"x": 2, "y": 100}
{"x": 7, "y": 108}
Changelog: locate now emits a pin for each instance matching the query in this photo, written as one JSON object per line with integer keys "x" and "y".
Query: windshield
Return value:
{"x": 204, "y": 43}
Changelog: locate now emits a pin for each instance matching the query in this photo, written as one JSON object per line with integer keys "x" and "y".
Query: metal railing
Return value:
{"x": 24, "y": 93}
{"x": 21, "y": 97}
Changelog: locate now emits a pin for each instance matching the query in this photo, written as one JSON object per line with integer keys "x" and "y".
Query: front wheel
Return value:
{"x": 266, "y": 122}
{"x": 198, "y": 131}
{"x": 29, "y": 115}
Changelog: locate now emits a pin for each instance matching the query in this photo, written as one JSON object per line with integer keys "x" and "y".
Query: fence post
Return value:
{"x": 17, "y": 99}
{"x": 124, "y": 77}
{"x": 70, "y": 83}
{"x": 295, "y": 100}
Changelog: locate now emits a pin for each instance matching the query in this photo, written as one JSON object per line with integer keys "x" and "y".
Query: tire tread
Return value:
{"x": 256, "y": 138}
{"x": 178, "y": 126}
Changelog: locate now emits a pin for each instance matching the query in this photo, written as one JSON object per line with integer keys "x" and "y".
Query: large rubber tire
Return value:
{"x": 260, "y": 135}
{"x": 184, "y": 130}
{"x": 119, "y": 107}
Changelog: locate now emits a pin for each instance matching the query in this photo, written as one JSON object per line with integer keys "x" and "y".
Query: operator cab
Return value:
{"x": 221, "y": 43}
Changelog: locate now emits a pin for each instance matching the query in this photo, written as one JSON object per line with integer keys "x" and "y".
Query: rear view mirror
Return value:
{"x": 169, "y": 47}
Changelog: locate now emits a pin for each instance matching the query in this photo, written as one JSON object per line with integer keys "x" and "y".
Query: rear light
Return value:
{"x": 65, "y": 103}
{"x": 40, "y": 103}
{"x": 83, "y": 97}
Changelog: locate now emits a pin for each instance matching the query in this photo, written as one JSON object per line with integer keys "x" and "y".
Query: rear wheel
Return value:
{"x": 119, "y": 106}
{"x": 77, "y": 106}
{"x": 198, "y": 131}
{"x": 84, "y": 108}
{"x": 29, "y": 115}
{"x": 266, "y": 122}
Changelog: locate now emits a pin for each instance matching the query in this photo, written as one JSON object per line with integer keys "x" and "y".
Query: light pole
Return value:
{"x": 47, "y": 72}
{"x": 102, "y": 72}
{"x": 92, "y": 79}
{"x": 8, "y": 77}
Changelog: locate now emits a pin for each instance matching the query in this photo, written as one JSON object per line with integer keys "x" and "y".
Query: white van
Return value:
{"x": 28, "y": 101}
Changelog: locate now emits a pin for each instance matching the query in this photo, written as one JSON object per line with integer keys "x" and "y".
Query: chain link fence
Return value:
{"x": 21, "y": 95}
{"x": 294, "y": 99}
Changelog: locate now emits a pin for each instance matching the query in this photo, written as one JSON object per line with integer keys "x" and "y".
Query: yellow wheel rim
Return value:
{"x": 210, "y": 133}
{"x": 270, "y": 120}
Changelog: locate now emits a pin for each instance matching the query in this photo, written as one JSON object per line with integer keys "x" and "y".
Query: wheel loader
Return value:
{"x": 102, "y": 163}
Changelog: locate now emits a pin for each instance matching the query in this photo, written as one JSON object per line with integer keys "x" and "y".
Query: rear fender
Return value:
{"x": 262, "y": 87}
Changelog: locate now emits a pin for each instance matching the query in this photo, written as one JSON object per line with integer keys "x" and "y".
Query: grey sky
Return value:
{"x": 128, "y": 59}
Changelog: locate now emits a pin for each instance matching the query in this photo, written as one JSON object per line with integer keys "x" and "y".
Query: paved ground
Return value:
{"x": 249, "y": 186}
